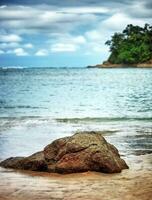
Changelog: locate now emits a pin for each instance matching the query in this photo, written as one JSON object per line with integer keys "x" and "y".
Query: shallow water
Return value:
{"x": 40, "y": 105}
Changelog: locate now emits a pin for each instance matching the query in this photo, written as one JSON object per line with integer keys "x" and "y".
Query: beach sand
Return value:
{"x": 132, "y": 184}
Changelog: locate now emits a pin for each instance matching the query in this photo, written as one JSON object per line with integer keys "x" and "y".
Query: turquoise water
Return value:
{"x": 38, "y": 105}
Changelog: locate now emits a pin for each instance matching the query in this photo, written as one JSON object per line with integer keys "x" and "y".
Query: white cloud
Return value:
{"x": 28, "y": 46}
{"x": 94, "y": 35}
{"x": 67, "y": 43}
{"x": 63, "y": 47}
{"x": 41, "y": 52}
{"x": 15, "y": 48}
{"x": 68, "y": 38}
{"x": 20, "y": 52}
{"x": 3, "y": 6}
{"x": 119, "y": 21}
{"x": 9, "y": 45}
{"x": 77, "y": 39}
{"x": 10, "y": 38}
{"x": 85, "y": 10}
{"x": 1, "y": 51}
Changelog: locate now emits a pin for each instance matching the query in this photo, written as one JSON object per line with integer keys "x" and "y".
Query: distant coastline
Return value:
{"x": 111, "y": 65}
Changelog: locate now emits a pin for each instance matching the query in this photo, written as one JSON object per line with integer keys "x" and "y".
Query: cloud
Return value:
{"x": 119, "y": 21}
{"x": 28, "y": 46}
{"x": 143, "y": 9}
{"x": 41, "y": 52}
{"x": 63, "y": 47}
{"x": 15, "y": 48}
{"x": 94, "y": 35}
{"x": 3, "y": 6}
{"x": 9, "y": 45}
{"x": 67, "y": 43}
{"x": 68, "y": 38}
{"x": 77, "y": 39}
{"x": 20, "y": 52}
{"x": 10, "y": 38}
{"x": 45, "y": 19}
{"x": 1, "y": 51}
{"x": 85, "y": 10}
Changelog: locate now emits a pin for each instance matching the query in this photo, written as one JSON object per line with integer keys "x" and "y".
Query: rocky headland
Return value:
{"x": 107, "y": 64}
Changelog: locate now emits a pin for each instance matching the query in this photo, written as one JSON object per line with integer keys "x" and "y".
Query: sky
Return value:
{"x": 64, "y": 33}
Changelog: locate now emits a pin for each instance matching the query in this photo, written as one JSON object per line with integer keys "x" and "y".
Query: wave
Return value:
{"x": 20, "y": 117}
{"x": 102, "y": 119}
{"x": 76, "y": 120}
{"x": 14, "y": 107}
{"x": 25, "y": 120}
{"x": 12, "y": 67}
{"x": 43, "y": 67}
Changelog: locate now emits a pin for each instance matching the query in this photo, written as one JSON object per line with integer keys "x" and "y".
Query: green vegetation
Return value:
{"x": 132, "y": 46}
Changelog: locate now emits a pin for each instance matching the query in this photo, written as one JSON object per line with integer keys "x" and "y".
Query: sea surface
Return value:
{"x": 38, "y": 105}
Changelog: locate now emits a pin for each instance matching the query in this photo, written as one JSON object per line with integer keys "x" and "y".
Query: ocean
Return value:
{"x": 38, "y": 105}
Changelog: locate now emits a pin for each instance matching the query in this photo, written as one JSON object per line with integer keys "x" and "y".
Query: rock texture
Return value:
{"x": 35, "y": 162}
{"x": 85, "y": 151}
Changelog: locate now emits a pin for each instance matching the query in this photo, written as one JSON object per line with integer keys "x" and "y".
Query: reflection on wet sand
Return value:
{"x": 132, "y": 184}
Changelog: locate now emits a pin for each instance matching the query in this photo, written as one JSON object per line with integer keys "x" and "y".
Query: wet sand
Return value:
{"x": 132, "y": 184}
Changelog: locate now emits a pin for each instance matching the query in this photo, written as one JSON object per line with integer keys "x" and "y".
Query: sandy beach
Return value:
{"x": 132, "y": 184}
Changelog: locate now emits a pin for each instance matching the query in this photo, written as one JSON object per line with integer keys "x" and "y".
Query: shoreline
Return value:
{"x": 115, "y": 66}
{"x": 134, "y": 183}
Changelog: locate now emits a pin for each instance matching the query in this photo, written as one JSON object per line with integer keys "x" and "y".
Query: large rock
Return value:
{"x": 85, "y": 151}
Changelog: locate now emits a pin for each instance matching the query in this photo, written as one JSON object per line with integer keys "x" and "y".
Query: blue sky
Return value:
{"x": 64, "y": 33}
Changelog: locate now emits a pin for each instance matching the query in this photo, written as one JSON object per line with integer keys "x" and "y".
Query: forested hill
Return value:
{"x": 132, "y": 46}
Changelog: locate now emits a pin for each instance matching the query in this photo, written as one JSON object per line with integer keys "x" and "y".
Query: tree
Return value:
{"x": 132, "y": 46}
